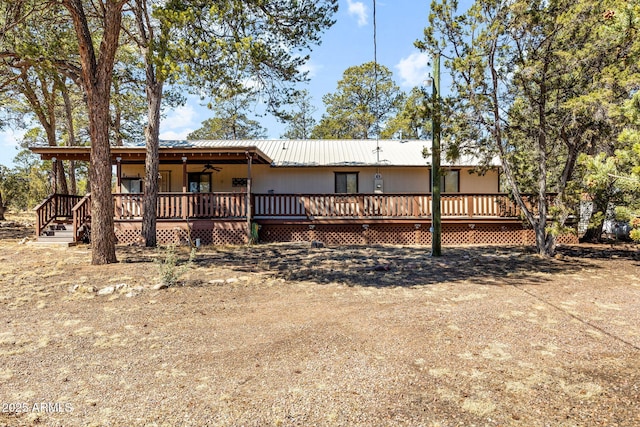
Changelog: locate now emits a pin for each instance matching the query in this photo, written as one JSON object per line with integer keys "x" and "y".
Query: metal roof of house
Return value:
{"x": 276, "y": 152}
{"x": 334, "y": 152}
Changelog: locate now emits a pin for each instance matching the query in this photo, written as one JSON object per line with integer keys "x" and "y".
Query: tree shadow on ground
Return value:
{"x": 627, "y": 251}
{"x": 14, "y": 231}
{"x": 386, "y": 266}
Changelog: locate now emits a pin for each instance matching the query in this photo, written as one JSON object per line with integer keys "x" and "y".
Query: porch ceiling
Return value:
{"x": 167, "y": 155}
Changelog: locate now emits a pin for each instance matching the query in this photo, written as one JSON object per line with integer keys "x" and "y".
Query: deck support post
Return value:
{"x": 184, "y": 188}
{"x": 118, "y": 174}
{"x": 248, "y": 196}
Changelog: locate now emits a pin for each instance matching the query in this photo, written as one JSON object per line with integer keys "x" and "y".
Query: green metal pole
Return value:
{"x": 436, "y": 235}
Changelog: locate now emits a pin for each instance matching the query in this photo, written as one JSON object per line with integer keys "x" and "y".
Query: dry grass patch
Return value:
{"x": 289, "y": 335}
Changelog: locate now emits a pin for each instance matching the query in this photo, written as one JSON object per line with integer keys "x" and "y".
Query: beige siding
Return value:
{"x": 320, "y": 180}
{"x": 479, "y": 184}
{"x": 223, "y": 180}
{"x": 293, "y": 180}
{"x": 395, "y": 180}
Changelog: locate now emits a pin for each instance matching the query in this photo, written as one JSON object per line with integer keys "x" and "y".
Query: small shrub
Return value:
{"x": 169, "y": 269}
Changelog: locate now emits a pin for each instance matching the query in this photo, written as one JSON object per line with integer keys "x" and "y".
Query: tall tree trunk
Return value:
{"x": 102, "y": 224}
{"x": 58, "y": 166}
{"x": 497, "y": 131}
{"x": 545, "y": 241}
{"x": 151, "y": 163}
{"x": 68, "y": 109}
{"x": 97, "y": 72}
{"x": 61, "y": 177}
{"x": 44, "y": 107}
{"x": 154, "y": 87}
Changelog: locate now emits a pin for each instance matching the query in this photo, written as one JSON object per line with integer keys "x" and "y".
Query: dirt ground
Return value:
{"x": 289, "y": 335}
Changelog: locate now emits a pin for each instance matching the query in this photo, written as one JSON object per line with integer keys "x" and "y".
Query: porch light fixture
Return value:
{"x": 365, "y": 226}
{"x": 184, "y": 160}
{"x": 417, "y": 226}
{"x": 312, "y": 226}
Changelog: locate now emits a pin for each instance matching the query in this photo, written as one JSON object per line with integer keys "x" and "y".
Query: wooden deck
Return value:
{"x": 219, "y": 218}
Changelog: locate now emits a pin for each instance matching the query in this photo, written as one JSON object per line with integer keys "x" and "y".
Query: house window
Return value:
{"x": 131, "y": 185}
{"x": 346, "y": 182}
{"x": 200, "y": 182}
{"x": 449, "y": 181}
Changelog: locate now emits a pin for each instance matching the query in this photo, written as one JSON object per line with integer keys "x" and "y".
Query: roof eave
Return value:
{"x": 167, "y": 154}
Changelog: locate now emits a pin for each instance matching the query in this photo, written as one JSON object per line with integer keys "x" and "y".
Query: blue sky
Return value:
{"x": 349, "y": 42}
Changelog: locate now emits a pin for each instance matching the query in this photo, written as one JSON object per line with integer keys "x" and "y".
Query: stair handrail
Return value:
{"x": 81, "y": 212}
{"x": 44, "y": 215}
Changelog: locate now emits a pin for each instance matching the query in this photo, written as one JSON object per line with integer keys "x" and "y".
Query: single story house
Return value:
{"x": 336, "y": 191}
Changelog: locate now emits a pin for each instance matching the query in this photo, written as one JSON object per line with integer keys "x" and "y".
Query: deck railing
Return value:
{"x": 381, "y": 205}
{"x": 310, "y": 206}
{"x": 183, "y": 205}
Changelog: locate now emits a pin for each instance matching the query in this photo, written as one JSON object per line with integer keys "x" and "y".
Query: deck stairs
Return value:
{"x": 57, "y": 233}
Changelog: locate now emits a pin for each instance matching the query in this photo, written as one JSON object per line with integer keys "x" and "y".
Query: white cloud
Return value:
{"x": 176, "y": 136}
{"x": 358, "y": 9}
{"x": 309, "y": 67}
{"x": 413, "y": 69}
{"x": 179, "y": 120}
